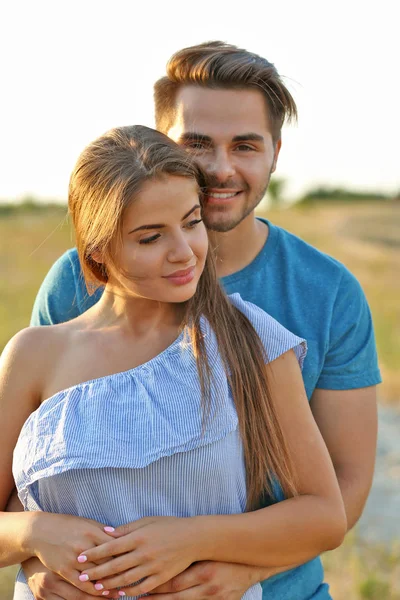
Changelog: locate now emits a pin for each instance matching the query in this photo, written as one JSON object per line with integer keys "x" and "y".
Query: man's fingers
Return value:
{"x": 195, "y": 575}
{"x": 62, "y": 590}
{"x": 194, "y": 593}
{"x": 181, "y": 582}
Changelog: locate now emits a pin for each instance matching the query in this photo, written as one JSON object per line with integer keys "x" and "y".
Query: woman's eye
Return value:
{"x": 150, "y": 239}
{"x": 192, "y": 224}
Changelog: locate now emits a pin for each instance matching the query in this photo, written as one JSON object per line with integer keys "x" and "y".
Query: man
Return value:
{"x": 226, "y": 106}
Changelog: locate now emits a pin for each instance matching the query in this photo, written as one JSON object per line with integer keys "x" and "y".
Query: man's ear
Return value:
{"x": 277, "y": 149}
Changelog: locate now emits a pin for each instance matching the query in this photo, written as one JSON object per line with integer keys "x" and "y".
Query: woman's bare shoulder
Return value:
{"x": 34, "y": 342}
{"x": 30, "y": 355}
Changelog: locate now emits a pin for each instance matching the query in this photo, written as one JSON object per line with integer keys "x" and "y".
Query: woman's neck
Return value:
{"x": 134, "y": 315}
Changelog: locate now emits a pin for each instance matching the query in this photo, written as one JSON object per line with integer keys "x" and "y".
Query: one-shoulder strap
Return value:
{"x": 276, "y": 339}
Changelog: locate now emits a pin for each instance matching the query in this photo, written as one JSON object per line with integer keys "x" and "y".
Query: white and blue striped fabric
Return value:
{"x": 130, "y": 445}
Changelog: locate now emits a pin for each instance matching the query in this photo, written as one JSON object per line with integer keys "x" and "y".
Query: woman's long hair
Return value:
{"x": 107, "y": 178}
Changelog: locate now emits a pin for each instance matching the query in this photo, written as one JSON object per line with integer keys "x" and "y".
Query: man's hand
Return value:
{"x": 46, "y": 585}
{"x": 215, "y": 580}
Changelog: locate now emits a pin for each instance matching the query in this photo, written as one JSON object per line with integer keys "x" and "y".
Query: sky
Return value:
{"x": 71, "y": 69}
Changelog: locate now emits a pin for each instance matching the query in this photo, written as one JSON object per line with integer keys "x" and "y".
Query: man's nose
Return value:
{"x": 221, "y": 167}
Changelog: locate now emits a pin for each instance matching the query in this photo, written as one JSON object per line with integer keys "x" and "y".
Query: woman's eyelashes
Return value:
{"x": 193, "y": 223}
{"x": 190, "y": 225}
{"x": 150, "y": 239}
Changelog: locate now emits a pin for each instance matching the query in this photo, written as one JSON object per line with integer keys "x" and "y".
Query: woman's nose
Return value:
{"x": 180, "y": 250}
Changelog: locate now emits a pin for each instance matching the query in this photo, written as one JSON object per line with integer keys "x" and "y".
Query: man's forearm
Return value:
{"x": 262, "y": 573}
{"x": 354, "y": 494}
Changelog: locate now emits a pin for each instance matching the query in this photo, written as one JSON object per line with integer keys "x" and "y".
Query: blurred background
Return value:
{"x": 71, "y": 70}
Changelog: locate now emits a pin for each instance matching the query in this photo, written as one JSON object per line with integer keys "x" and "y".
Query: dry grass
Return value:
{"x": 7, "y": 577}
{"x": 358, "y": 571}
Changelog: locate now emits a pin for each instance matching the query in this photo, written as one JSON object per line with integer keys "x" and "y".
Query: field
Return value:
{"x": 364, "y": 236}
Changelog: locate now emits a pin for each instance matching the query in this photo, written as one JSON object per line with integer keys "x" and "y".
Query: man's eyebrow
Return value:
{"x": 248, "y": 137}
{"x": 194, "y": 136}
{"x": 191, "y": 136}
{"x": 160, "y": 225}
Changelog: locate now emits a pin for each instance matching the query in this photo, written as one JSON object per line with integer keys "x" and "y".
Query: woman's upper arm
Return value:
{"x": 313, "y": 466}
{"x": 19, "y": 396}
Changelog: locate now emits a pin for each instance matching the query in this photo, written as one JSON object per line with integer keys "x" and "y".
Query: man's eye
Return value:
{"x": 196, "y": 146}
{"x": 150, "y": 239}
{"x": 244, "y": 148}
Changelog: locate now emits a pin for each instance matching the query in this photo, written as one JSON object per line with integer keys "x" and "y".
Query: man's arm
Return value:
{"x": 347, "y": 420}
{"x": 344, "y": 401}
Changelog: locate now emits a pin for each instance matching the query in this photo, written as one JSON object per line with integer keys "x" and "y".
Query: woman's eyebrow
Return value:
{"x": 161, "y": 225}
{"x": 153, "y": 226}
{"x": 195, "y": 207}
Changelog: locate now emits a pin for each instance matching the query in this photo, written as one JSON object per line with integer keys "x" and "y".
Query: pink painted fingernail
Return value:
{"x": 109, "y": 529}
{"x": 121, "y": 594}
{"x": 82, "y": 558}
{"x": 84, "y": 577}
{"x": 105, "y": 593}
{"x": 99, "y": 586}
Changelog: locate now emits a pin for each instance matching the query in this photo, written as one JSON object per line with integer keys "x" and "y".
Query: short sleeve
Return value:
{"x": 275, "y": 338}
{"x": 351, "y": 359}
{"x": 62, "y": 295}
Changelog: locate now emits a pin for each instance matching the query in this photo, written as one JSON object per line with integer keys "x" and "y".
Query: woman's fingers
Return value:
{"x": 112, "y": 548}
{"x": 132, "y": 526}
{"x": 120, "y": 564}
{"x": 127, "y": 578}
{"x": 85, "y": 586}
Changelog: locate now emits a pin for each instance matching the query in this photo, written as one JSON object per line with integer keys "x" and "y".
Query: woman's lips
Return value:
{"x": 181, "y": 277}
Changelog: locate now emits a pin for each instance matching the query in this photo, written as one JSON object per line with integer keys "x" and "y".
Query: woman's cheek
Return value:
{"x": 201, "y": 242}
{"x": 147, "y": 264}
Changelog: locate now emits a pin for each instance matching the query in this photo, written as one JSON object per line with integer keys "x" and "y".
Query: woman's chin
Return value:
{"x": 181, "y": 293}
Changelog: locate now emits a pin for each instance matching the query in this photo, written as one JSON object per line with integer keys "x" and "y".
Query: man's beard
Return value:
{"x": 227, "y": 225}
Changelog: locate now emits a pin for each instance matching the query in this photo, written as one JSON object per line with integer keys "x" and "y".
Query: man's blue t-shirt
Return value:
{"x": 312, "y": 295}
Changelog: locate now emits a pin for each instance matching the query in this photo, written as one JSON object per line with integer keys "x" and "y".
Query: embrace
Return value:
{"x": 198, "y": 418}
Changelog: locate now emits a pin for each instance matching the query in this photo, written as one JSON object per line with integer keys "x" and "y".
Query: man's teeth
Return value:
{"x": 227, "y": 195}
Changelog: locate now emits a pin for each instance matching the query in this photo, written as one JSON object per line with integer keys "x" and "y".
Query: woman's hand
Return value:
{"x": 58, "y": 539}
{"x": 153, "y": 549}
{"x": 46, "y": 585}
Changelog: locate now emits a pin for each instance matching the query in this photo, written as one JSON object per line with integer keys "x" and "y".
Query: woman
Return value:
{"x": 166, "y": 404}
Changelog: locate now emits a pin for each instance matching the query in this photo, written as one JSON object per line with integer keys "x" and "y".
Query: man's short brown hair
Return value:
{"x": 217, "y": 65}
